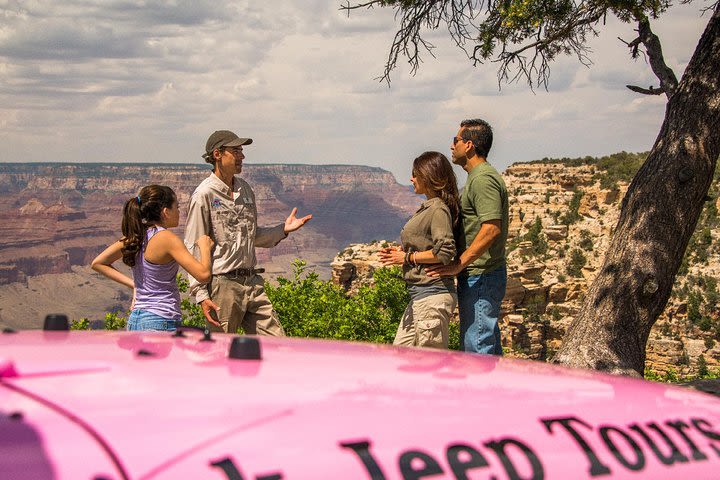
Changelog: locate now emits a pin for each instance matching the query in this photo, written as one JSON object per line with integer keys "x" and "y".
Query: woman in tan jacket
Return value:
{"x": 427, "y": 239}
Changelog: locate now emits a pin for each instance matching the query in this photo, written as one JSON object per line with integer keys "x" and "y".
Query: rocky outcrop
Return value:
{"x": 354, "y": 266}
{"x": 548, "y": 274}
{"x": 54, "y": 216}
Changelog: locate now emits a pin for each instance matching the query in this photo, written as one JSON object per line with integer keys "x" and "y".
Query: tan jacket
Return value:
{"x": 231, "y": 221}
{"x": 430, "y": 228}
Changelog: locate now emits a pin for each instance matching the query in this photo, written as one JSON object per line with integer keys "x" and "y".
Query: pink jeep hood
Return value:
{"x": 115, "y": 405}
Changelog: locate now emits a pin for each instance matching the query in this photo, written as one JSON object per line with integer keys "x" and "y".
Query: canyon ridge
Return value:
{"x": 55, "y": 218}
{"x": 562, "y": 214}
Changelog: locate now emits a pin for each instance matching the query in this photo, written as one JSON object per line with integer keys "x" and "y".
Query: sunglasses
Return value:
{"x": 456, "y": 139}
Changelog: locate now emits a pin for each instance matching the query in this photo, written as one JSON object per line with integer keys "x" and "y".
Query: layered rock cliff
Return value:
{"x": 561, "y": 220}
{"x": 53, "y": 216}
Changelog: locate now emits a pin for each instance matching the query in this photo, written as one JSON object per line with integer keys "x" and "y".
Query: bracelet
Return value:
{"x": 414, "y": 259}
{"x": 407, "y": 258}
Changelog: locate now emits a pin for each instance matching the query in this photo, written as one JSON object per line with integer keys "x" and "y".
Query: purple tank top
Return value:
{"x": 156, "y": 289}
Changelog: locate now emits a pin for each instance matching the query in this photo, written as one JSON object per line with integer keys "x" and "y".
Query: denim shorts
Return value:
{"x": 148, "y": 321}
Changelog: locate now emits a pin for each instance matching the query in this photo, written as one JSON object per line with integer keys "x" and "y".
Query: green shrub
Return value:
{"x": 572, "y": 215}
{"x": 82, "y": 324}
{"x": 454, "y": 336}
{"x": 586, "y": 241}
{"x": 671, "y": 376}
{"x": 705, "y": 324}
{"x": 702, "y": 368}
{"x": 112, "y": 321}
{"x": 693, "y": 307}
{"x": 576, "y": 263}
{"x": 535, "y": 236}
{"x": 310, "y": 307}
{"x": 652, "y": 375}
{"x": 192, "y": 313}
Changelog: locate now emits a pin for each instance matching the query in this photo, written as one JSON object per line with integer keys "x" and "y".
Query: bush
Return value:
{"x": 82, "y": 324}
{"x": 310, "y": 307}
{"x": 693, "y": 307}
{"x": 705, "y": 324}
{"x": 586, "y": 241}
{"x": 535, "y": 236}
{"x": 192, "y": 313}
{"x": 671, "y": 376}
{"x": 112, "y": 321}
{"x": 572, "y": 215}
{"x": 702, "y": 368}
{"x": 618, "y": 167}
{"x": 576, "y": 263}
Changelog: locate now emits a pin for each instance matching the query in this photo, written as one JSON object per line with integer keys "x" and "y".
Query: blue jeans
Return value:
{"x": 144, "y": 320}
{"x": 479, "y": 299}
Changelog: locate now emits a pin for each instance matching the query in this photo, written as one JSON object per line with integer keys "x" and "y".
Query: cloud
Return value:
{"x": 131, "y": 80}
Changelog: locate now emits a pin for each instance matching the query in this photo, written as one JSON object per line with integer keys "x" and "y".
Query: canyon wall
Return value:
{"x": 55, "y": 218}
{"x": 561, "y": 220}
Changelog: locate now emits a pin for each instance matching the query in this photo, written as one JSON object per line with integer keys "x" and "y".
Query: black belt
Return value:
{"x": 243, "y": 272}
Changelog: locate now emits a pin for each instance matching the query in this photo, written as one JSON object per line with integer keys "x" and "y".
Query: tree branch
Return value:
{"x": 570, "y": 37}
{"x": 646, "y": 91}
{"x": 369, "y": 4}
{"x": 668, "y": 80}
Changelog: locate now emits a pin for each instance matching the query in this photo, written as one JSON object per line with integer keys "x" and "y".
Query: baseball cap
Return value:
{"x": 224, "y": 138}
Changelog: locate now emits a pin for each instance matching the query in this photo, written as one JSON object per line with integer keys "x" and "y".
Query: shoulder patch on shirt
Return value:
{"x": 216, "y": 203}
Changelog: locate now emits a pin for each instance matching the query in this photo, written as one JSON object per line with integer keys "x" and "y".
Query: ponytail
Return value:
{"x": 133, "y": 231}
{"x": 139, "y": 213}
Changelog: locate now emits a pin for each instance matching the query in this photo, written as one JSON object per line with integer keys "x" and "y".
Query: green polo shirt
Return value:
{"x": 484, "y": 198}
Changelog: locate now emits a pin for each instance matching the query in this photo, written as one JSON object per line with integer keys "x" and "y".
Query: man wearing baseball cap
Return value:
{"x": 223, "y": 207}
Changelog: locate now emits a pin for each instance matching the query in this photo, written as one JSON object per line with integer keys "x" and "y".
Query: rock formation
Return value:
{"x": 56, "y": 217}
{"x": 553, "y": 257}
{"x": 50, "y": 212}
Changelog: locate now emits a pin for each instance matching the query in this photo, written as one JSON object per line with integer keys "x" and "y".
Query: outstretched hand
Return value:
{"x": 292, "y": 223}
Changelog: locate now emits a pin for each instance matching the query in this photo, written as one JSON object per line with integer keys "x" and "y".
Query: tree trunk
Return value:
{"x": 658, "y": 216}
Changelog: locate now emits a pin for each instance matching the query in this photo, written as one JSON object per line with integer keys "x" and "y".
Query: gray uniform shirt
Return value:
{"x": 430, "y": 228}
{"x": 231, "y": 221}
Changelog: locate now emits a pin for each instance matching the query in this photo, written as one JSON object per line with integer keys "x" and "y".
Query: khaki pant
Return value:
{"x": 425, "y": 322}
{"x": 243, "y": 303}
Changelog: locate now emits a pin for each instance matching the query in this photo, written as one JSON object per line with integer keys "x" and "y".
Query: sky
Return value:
{"x": 142, "y": 81}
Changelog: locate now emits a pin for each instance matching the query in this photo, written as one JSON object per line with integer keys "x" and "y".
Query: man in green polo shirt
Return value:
{"x": 481, "y": 270}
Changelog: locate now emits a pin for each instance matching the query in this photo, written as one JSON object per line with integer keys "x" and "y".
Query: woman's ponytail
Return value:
{"x": 142, "y": 212}
{"x": 133, "y": 231}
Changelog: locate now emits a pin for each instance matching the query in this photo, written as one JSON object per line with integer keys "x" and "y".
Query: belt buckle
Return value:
{"x": 244, "y": 272}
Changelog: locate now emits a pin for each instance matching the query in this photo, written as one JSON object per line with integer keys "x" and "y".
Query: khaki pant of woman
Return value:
{"x": 425, "y": 321}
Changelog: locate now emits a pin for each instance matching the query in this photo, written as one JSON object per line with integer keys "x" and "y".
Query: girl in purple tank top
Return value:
{"x": 154, "y": 254}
